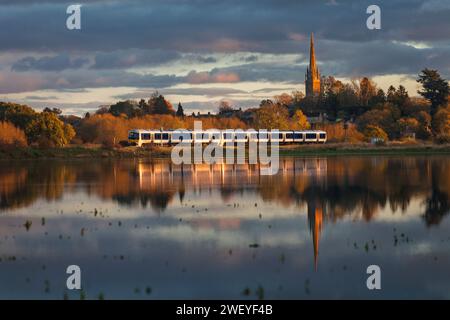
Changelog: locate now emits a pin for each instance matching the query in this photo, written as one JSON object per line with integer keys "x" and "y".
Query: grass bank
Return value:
{"x": 365, "y": 149}
{"x": 80, "y": 152}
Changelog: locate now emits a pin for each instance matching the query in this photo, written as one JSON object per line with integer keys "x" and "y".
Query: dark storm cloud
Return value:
{"x": 75, "y": 80}
{"x": 264, "y": 26}
{"x": 134, "y": 33}
{"x": 49, "y": 63}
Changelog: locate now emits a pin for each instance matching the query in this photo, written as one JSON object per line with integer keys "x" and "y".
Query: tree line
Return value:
{"x": 352, "y": 112}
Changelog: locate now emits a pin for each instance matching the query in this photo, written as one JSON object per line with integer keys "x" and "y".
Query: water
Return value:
{"x": 152, "y": 230}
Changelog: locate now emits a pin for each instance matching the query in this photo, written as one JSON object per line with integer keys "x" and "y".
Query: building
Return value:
{"x": 312, "y": 77}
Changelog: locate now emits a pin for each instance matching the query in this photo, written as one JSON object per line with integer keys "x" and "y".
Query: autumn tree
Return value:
{"x": 367, "y": 90}
{"x": 159, "y": 105}
{"x": 17, "y": 114}
{"x": 441, "y": 124}
{"x": 48, "y": 131}
{"x": 300, "y": 121}
{"x": 11, "y": 136}
{"x": 376, "y": 132}
{"x": 272, "y": 116}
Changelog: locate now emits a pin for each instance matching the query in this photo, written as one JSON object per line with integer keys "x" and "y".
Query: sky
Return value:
{"x": 200, "y": 52}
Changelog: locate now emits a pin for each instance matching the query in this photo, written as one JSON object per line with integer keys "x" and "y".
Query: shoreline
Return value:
{"x": 331, "y": 149}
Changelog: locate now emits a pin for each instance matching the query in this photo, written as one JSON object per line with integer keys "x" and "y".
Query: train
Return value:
{"x": 143, "y": 137}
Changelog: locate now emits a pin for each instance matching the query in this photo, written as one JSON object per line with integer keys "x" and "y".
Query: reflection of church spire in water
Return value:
{"x": 315, "y": 217}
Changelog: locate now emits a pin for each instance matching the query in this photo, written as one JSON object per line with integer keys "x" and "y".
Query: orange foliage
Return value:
{"x": 337, "y": 133}
{"x": 10, "y": 136}
{"x": 109, "y": 130}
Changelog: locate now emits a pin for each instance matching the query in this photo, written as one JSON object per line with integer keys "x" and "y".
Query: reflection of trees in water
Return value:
{"x": 346, "y": 185}
{"x": 22, "y": 185}
{"x": 437, "y": 204}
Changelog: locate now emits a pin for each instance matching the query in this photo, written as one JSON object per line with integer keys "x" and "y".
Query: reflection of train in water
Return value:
{"x": 141, "y": 137}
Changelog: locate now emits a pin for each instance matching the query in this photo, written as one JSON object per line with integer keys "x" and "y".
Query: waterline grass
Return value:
{"x": 329, "y": 149}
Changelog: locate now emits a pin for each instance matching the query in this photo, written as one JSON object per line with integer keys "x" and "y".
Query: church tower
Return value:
{"x": 312, "y": 78}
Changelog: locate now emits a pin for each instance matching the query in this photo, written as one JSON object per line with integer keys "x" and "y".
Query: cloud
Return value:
{"x": 214, "y": 76}
{"x": 194, "y": 91}
{"x": 49, "y": 63}
{"x": 133, "y": 58}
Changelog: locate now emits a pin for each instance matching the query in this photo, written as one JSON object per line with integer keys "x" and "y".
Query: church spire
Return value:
{"x": 312, "y": 55}
{"x": 312, "y": 80}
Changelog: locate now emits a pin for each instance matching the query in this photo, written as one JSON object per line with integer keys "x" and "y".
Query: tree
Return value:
{"x": 441, "y": 122}
{"x": 11, "y": 136}
{"x": 301, "y": 121}
{"x": 367, "y": 90}
{"x": 379, "y": 98}
{"x": 272, "y": 116}
{"x": 225, "y": 107}
{"x": 159, "y": 105}
{"x": 56, "y": 111}
{"x": 375, "y": 132}
{"x": 180, "y": 111}
{"x": 129, "y": 108}
{"x": 435, "y": 89}
{"x": 284, "y": 99}
{"x": 19, "y": 115}
{"x": 48, "y": 131}
{"x": 424, "y": 130}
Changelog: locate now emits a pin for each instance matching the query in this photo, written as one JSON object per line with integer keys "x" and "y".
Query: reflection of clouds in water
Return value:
{"x": 333, "y": 208}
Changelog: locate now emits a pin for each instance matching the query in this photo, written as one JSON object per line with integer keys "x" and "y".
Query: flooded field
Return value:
{"x": 153, "y": 230}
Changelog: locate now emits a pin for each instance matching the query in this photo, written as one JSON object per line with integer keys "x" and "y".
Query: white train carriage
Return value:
{"x": 276, "y": 137}
{"x": 215, "y": 136}
{"x": 201, "y": 137}
{"x": 288, "y": 136}
{"x": 161, "y": 137}
{"x": 240, "y": 137}
{"x": 181, "y": 136}
{"x": 263, "y": 136}
{"x": 311, "y": 136}
{"x": 322, "y": 137}
{"x": 139, "y": 137}
{"x": 227, "y": 137}
{"x": 252, "y": 136}
{"x": 299, "y": 137}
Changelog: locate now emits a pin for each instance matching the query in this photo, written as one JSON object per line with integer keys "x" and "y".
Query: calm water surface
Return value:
{"x": 152, "y": 230}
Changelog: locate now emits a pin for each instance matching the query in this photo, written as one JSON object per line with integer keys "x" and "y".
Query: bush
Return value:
{"x": 442, "y": 138}
{"x": 374, "y": 132}
{"x": 48, "y": 131}
{"x": 11, "y": 136}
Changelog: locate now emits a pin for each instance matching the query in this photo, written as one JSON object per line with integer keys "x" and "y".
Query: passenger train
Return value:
{"x": 141, "y": 137}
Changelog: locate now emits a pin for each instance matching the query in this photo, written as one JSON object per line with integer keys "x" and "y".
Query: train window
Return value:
{"x": 133, "y": 135}
{"x": 289, "y": 135}
{"x": 240, "y": 136}
{"x": 311, "y": 136}
{"x": 253, "y": 136}
{"x": 198, "y": 136}
{"x": 263, "y": 136}
{"x": 298, "y": 136}
{"x": 165, "y": 136}
{"x": 322, "y": 136}
{"x": 228, "y": 136}
{"x": 145, "y": 136}
{"x": 276, "y": 136}
{"x": 157, "y": 136}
